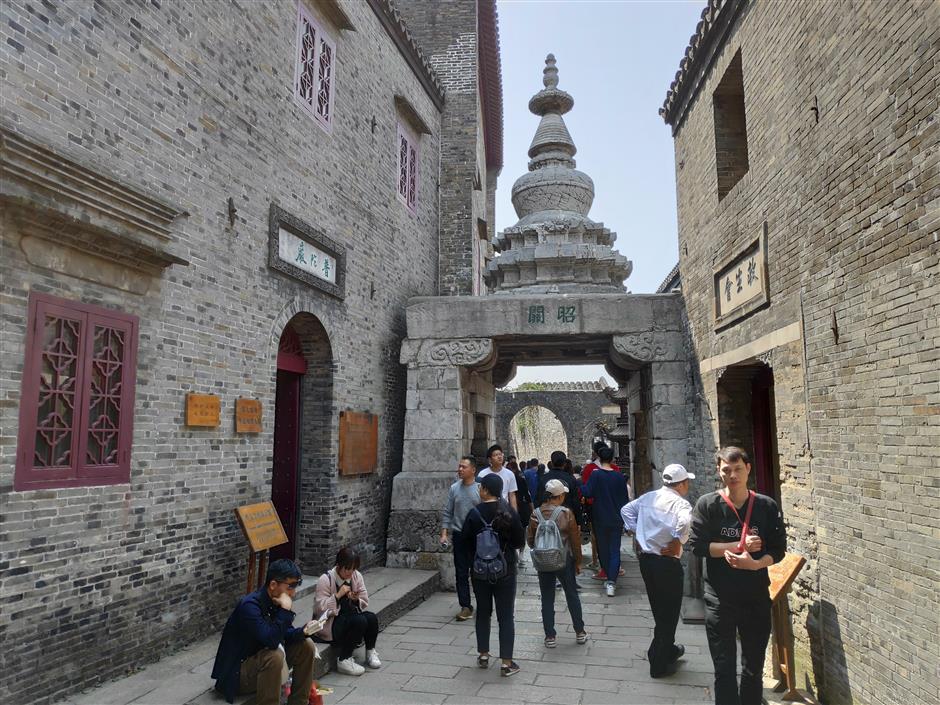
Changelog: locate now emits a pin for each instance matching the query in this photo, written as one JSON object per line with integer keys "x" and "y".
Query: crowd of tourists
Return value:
{"x": 490, "y": 515}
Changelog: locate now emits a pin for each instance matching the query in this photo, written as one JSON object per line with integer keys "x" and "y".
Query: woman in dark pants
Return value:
{"x": 505, "y": 522}
{"x": 341, "y": 596}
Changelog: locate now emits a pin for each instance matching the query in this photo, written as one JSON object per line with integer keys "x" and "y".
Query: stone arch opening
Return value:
{"x": 747, "y": 418}
{"x": 535, "y": 432}
{"x": 303, "y": 436}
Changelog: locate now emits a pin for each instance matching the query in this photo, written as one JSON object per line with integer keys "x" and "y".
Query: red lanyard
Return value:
{"x": 747, "y": 517}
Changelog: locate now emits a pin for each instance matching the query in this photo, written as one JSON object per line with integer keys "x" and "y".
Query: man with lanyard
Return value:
{"x": 661, "y": 520}
{"x": 494, "y": 454}
{"x": 740, "y": 534}
{"x": 462, "y": 496}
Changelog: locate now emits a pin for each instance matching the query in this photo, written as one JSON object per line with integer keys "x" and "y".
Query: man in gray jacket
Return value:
{"x": 462, "y": 496}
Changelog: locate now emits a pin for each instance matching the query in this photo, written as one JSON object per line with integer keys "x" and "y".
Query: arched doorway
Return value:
{"x": 288, "y": 406}
{"x": 535, "y": 432}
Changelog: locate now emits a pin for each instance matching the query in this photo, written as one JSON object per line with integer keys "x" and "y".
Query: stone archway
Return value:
{"x": 578, "y": 406}
{"x": 534, "y": 432}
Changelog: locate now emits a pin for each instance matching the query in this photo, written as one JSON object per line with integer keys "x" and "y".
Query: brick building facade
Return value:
{"x": 234, "y": 203}
{"x": 807, "y": 152}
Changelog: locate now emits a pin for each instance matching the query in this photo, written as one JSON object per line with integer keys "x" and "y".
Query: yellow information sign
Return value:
{"x": 261, "y": 525}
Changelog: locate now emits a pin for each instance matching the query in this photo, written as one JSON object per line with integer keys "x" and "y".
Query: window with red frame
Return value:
{"x": 407, "y": 169}
{"x": 314, "y": 67}
{"x": 77, "y": 403}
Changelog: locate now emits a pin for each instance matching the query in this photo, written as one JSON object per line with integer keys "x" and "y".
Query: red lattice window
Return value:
{"x": 77, "y": 406}
{"x": 314, "y": 68}
{"x": 407, "y": 169}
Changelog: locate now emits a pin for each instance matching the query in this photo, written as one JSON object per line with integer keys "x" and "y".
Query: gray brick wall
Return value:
{"x": 192, "y": 103}
{"x": 851, "y": 203}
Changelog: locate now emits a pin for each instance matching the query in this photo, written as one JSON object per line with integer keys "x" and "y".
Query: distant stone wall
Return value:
{"x": 535, "y": 432}
{"x": 577, "y": 412}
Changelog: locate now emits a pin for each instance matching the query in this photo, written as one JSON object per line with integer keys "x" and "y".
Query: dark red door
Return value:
{"x": 286, "y": 457}
{"x": 761, "y": 413}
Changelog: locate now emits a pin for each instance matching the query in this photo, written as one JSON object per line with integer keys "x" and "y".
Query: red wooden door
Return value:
{"x": 286, "y": 458}
{"x": 761, "y": 413}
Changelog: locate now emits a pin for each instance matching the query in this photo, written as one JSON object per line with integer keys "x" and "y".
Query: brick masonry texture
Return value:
{"x": 192, "y": 105}
{"x": 852, "y": 206}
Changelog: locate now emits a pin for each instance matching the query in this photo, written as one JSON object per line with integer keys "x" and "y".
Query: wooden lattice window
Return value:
{"x": 314, "y": 71}
{"x": 407, "y": 168}
{"x": 77, "y": 405}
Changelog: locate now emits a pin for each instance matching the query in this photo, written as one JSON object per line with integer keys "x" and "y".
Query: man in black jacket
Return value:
{"x": 740, "y": 534}
{"x": 555, "y": 472}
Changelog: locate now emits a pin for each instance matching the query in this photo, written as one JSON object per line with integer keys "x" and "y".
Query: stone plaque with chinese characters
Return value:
{"x": 305, "y": 256}
{"x": 247, "y": 415}
{"x": 551, "y": 316}
{"x": 261, "y": 525}
{"x": 741, "y": 284}
{"x": 203, "y": 410}
{"x": 300, "y": 250}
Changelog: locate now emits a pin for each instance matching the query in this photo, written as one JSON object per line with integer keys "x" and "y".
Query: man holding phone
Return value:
{"x": 462, "y": 496}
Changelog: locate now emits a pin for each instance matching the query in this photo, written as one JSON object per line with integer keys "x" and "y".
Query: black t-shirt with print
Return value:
{"x": 713, "y": 521}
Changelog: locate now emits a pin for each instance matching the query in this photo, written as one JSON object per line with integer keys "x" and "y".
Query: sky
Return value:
{"x": 617, "y": 59}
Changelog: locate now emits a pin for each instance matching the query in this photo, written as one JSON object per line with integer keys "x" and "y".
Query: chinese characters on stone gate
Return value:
{"x": 561, "y": 314}
{"x": 306, "y": 256}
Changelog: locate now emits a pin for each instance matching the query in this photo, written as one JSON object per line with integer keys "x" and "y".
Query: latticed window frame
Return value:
{"x": 407, "y": 192}
{"x": 78, "y": 472}
{"x": 321, "y": 38}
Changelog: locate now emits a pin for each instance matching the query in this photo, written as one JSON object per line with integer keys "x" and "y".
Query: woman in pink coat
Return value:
{"x": 341, "y": 597}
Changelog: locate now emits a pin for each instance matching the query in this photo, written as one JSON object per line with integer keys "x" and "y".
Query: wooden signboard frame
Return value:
{"x": 248, "y": 415}
{"x": 203, "y": 410}
{"x": 782, "y": 575}
{"x": 263, "y": 530}
{"x": 358, "y": 442}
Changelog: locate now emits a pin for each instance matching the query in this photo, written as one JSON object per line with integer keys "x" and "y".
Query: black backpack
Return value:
{"x": 489, "y": 563}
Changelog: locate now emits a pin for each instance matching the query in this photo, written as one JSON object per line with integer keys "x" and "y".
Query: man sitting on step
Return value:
{"x": 259, "y": 639}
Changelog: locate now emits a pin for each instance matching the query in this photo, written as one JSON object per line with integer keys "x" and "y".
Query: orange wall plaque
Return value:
{"x": 261, "y": 525}
{"x": 203, "y": 410}
{"x": 247, "y": 415}
{"x": 783, "y": 574}
{"x": 358, "y": 442}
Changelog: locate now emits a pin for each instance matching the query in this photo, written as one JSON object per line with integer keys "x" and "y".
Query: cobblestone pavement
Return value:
{"x": 429, "y": 657}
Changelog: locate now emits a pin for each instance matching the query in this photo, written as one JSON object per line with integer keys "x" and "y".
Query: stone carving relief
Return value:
{"x": 647, "y": 347}
{"x": 456, "y": 352}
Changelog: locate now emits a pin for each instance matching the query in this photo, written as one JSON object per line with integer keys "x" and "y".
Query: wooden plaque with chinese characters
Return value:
{"x": 247, "y": 415}
{"x": 203, "y": 410}
{"x": 261, "y": 525}
{"x": 358, "y": 442}
{"x": 783, "y": 574}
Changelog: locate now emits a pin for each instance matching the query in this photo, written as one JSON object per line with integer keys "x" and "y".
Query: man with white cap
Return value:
{"x": 661, "y": 521}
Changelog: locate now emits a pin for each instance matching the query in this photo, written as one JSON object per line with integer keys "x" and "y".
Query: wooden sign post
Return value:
{"x": 263, "y": 530}
{"x": 782, "y": 575}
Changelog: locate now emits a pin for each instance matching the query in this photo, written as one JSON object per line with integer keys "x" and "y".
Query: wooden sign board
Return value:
{"x": 203, "y": 410}
{"x": 358, "y": 443}
{"x": 783, "y": 574}
{"x": 261, "y": 525}
{"x": 247, "y": 415}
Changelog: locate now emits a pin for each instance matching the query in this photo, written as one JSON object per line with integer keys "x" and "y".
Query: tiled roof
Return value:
{"x": 672, "y": 281}
{"x": 709, "y": 35}
{"x": 491, "y": 83}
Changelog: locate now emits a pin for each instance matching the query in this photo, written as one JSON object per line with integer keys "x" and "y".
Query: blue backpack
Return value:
{"x": 489, "y": 563}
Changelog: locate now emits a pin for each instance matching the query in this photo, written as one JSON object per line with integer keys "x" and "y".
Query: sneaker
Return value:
{"x": 550, "y": 642}
{"x": 609, "y": 587}
{"x": 510, "y": 670}
{"x": 372, "y": 659}
{"x": 679, "y": 652}
{"x": 348, "y": 667}
{"x": 599, "y": 575}
{"x": 581, "y": 637}
{"x": 464, "y": 614}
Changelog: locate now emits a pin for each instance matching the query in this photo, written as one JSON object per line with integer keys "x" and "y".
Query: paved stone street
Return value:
{"x": 428, "y": 657}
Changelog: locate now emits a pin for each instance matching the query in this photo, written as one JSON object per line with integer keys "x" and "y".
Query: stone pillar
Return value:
{"x": 663, "y": 352}
{"x": 449, "y": 383}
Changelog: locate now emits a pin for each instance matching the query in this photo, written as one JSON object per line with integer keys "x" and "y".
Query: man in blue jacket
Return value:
{"x": 249, "y": 660}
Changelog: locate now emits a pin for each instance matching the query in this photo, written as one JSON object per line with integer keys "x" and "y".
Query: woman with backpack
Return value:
{"x": 554, "y": 538}
{"x": 493, "y": 531}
